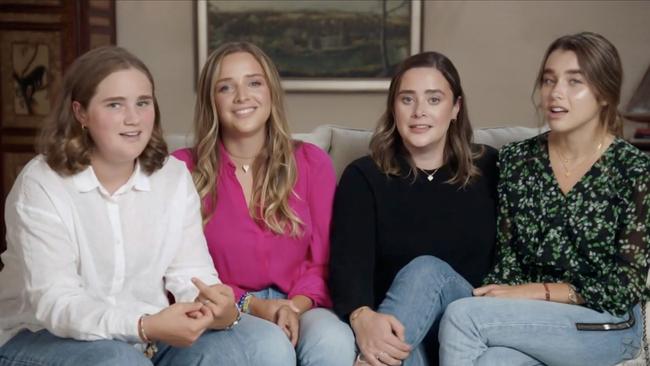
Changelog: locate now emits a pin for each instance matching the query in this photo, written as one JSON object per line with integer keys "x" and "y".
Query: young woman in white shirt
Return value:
{"x": 101, "y": 226}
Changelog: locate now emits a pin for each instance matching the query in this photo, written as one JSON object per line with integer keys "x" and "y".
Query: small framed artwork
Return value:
{"x": 349, "y": 45}
{"x": 31, "y": 61}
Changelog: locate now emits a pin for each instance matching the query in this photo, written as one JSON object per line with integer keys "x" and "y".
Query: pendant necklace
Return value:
{"x": 429, "y": 175}
{"x": 565, "y": 161}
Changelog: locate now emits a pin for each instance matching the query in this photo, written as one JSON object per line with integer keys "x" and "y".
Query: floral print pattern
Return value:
{"x": 595, "y": 237}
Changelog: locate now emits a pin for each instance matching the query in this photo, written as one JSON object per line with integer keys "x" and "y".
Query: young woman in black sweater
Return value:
{"x": 414, "y": 222}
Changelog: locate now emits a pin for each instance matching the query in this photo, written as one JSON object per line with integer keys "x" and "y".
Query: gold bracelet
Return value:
{"x": 151, "y": 348}
{"x": 355, "y": 314}
{"x": 547, "y": 293}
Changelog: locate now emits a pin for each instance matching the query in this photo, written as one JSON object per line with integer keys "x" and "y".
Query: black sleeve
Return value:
{"x": 353, "y": 235}
{"x": 490, "y": 170}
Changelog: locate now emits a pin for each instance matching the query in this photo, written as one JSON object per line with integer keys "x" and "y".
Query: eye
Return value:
{"x": 114, "y": 105}
{"x": 433, "y": 100}
{"x": 144, "y": 103}
{"x": 224, "y": 88}
{"x": 406, "y": 99}
{"x": 548, "y": 81}
{"x": 256, "y": 83}
{"x": 575, "y": 81}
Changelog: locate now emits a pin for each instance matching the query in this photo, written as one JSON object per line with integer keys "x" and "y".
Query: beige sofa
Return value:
{"x": 346, "y": 144}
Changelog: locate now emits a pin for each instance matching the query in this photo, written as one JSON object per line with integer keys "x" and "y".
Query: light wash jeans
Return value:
{"x": 324, "y": 340}
{"x": 418, "y": 296}
{"x": 252, "y": 342}
{"x": 505, "y": 332}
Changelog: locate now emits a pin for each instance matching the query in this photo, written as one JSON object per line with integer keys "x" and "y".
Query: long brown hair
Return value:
{"x": 66, "y": 146}
{"x": 386, "y": 143}
{"x": 601, "y": 66}
{"x": 274, "y": 169}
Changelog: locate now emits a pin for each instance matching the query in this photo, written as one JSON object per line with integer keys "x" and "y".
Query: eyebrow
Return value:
{"x": 570, "y": 72}
{"x": 428, "y": 91}
{"x": 122, "y": 99}
{"x": 246, "y": 76}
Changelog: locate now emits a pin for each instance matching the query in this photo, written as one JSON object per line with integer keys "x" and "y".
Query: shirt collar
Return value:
{"x": 86, "y": 180}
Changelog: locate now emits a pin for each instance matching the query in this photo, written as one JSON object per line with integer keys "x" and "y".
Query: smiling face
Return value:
{"x": 243, "y": 97}
{"x": 119, "y": 117}
{"x": 424, "y": 107}
{"x": 568, "y": 101}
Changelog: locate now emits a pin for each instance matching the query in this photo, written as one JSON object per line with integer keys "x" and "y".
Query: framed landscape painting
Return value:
{"x": 318, "y": 45}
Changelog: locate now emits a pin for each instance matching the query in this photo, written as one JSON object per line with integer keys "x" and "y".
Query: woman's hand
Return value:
{"x": 380, "y": 338}
{"x": 534, "y": 291}
{"x": 282, "y": 312}
{"x": 218, "y": 302}
{"x": 289, "y": 321}
{"x": 268, "y": 309}
{"x": 174, "y": 326}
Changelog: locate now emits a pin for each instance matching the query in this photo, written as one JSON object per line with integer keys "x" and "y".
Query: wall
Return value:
{"x": 496, "y": 45}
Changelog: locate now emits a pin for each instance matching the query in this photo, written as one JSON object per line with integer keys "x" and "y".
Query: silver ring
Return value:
{"x": 206, "y": 302}
{"x": 361, "y": 359}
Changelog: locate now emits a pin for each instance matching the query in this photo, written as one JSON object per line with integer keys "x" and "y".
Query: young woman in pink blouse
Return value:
{"x": 267, "y": 203}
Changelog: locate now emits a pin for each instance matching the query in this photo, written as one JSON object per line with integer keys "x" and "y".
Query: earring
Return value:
{"x": 452, "y": 120}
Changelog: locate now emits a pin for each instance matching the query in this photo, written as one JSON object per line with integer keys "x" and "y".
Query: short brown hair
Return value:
{"x": 63, "y": 142}
{"x": 386, "y": 142}
{"x": 601, "y": 66}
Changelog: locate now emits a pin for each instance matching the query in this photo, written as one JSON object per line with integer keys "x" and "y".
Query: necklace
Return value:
{"x": 238, "y": 160}
{"x": 565, "y": 161}
{"x": 429, "y": 175}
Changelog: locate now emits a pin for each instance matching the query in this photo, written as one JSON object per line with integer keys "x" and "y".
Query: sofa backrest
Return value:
{"x": 345, "y": 145}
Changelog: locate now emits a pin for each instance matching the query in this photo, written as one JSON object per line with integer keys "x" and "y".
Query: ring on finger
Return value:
{"x": 361, "y": 359}
{"x": 381, "y": 354}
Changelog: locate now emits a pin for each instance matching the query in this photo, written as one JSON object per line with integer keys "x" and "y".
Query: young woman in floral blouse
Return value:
{"x": 573, "y": 230}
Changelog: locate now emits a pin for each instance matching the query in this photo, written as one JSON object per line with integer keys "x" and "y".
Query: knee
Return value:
{"x": 319, "y": 338}
{"x": 274, "y": 348}
{"x": 109, "y": 353}
{"x": 458, "y": 315}
{"x": 429, "y": 268}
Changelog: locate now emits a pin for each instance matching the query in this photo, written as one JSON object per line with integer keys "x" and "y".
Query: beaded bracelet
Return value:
{"x": 244, "y": 303}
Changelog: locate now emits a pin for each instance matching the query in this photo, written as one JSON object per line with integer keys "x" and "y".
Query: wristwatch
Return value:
{"x": 573, "y": 295}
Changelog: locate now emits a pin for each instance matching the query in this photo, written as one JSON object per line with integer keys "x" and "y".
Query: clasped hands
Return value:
{"x": 380, "y": 338}
{"x": 182, "y": 323}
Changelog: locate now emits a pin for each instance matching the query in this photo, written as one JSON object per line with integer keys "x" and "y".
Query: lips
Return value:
{"x": 420, "y": 127}
{"x": 244, "y": 112}
{"x": 556, "y": 112}
{"x": 131, "y": 133}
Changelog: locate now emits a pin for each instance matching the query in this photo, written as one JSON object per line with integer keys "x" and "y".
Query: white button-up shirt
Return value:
{"x": 85, "y": 264}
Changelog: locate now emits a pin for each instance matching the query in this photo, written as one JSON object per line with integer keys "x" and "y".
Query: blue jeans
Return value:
{"x": 252, "y": 342}
{"x": 324, "y": 340}
{"x": 418, "y": 296}
{"x": 497, "y": 331}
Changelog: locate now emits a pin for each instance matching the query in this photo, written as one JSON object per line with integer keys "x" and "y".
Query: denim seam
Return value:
{"x": 446, "y": 281}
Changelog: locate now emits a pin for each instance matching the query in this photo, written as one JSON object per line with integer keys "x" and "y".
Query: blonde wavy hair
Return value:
{"x": 386, "y": 143}
{"x": 66, "y": 146}
{"x": 274, "y": 169}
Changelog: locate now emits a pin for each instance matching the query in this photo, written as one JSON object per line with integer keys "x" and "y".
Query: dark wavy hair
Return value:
{"x": 601, "y": 66}
{"x": 63, "y": 142}
{"x": 386, "y": 142}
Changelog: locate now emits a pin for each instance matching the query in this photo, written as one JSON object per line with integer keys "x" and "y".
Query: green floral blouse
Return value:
{"x": 595, "y": 237}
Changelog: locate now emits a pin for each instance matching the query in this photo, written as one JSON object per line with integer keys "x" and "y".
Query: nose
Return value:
{"x": 131, "y": 116}
{"x": 418, "y": 112}
{"x": 241, "y": 95}
{"x": 557, "y": 92}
